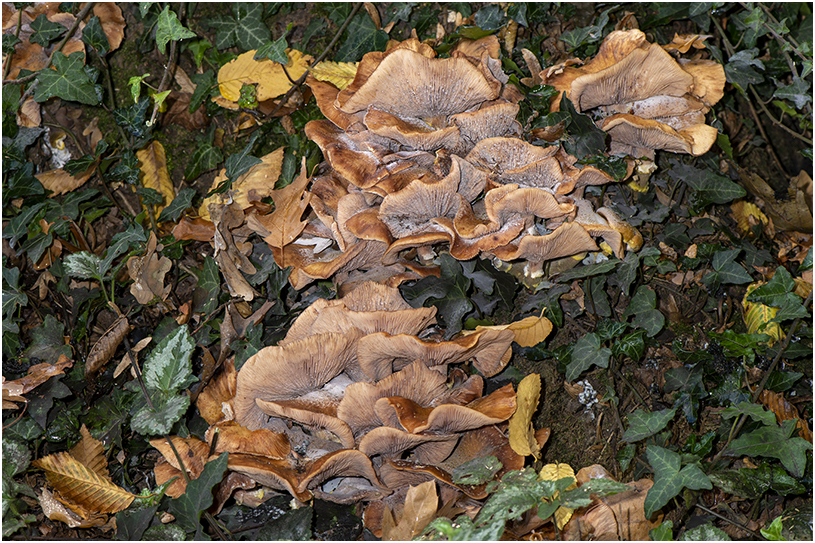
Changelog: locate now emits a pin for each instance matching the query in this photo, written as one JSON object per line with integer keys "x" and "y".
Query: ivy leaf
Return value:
{"x": 246, "y": 28}
{"x": 47, "y": 342}
{"x": 18, "y": 226}
{"x": 14, "y": 296}
{"x": 518, "y": 492}
{"x": 189, "y": 507}
{"x": 643, "y": 307}
{"x": 168, "y": 367}
{"x": 587, "y": 352}
{"x": 581, "y": 496}
{"x": 477, "y": 471}
{"x": 68, "y": 81}
{"x": 709, "y": 188}
{"x": 294, "y": 525}
{"x": 83, "y": 265}
{"x": 120, "y": 243}
{"x": 752, "y": 483}
{"x": 587, "y": 271}
{"x": 584, "y": 137}
{"x": 631, "y": 345}
{"x": 362, "y": 36}
{"x": 449, "y": 290}
{"x": 774, "y": 292}
{"x": 642, "y": 424}
{"x": 209, "y": 280}
{"x": 726, "y": 270}
{"x": 133, "y": 119}
{"x": 169, "y": 28}
{"x": 45, "y": 31}
{"x": 182, "y": 201}
{"x": 489, "y": 17}
{"x": 609, "y": 329}
{"x": 754, "y": 411}
{"x": 774, "y": 442}
{"x": 275, "y": 50}
{"x": 669, "y": 480}
{"x": 205, "y": 84}
{"x": 94, "y": 36}
{"x": 705, "y": 532}
{"x": 798, "y": 92}
{"x": 663, "y": 532}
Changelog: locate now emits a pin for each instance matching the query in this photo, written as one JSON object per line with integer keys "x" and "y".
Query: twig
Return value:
{"x": 325, "y": 52}
{"x": 777, "y": 122}
{"x": 742, "y": 419}
{"x": 729, "y": 521}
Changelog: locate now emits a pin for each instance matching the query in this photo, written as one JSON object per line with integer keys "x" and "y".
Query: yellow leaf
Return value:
{"x": 528, "y": 332}
{"x": 153, "y": 164}
{"x": 83, "y": 486}
{"x": 60, "y": 181}
{"x": 553, "y": 472}
{"x": 257, "y": 183}
{"x": 521, "y": 434}
{"x": 339, "y": 74}
{"x": 269, "y": 76}
{"x": 421, "y": 503}
{"x": 757, "y": 317}
{"x": 284, "y": 223}
{"x": 746, "y": 215}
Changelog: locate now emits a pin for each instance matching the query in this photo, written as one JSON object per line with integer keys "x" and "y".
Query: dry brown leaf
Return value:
{"x": 421, "y": 503}
{"x": 528, "y": 332}
{"x": 90, "y": 452}
{"x": 793, "y": 211}
{"x": 230, "y": 260}
{"x": 616, "y": 517}
{"x": 784, "y": 410}
{"x": 194, "y": 229}
{"x": 184, "y": 81}
{"x": 55, "y": 510}
{"x": 339, "y": 74}
{"x": 284, "y": 223}
{"x": 748, "y": 215}
{"x": 125, "y": 363}
{"x": 219, "y": 391}
{"x": 192, "y": 450}
{"x": 269, "y": 76}
{"x": 59, "y": 181}
{"x": 148, "y": 273}
{"x": 79, "y": 484}
{"x": 257, "y": 183}
{"x": 29, "y": 114}
{"x": 95, "y": 134}
{"x": 178, "y": 112}
{"x": 153, "y": 164}
{"x": 37, "y": 375}
{"x": 521, "y": 434}
{"x": 683, "y": 42}
{"x": 112, "y": 21}
{"x": 104, "y": 349}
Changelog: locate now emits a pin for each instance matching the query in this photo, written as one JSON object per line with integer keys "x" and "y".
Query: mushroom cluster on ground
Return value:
{"x": 424, "y": 154}
{"x": 359, "y": 401}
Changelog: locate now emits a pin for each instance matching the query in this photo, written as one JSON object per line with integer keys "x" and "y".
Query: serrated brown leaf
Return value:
{"x": 284, "y": 223}
{"x": 104, "y": 349}
{"x": 153, "y": 164}
{"x": 79, "y": 484}
{"x": 90, "y": 452}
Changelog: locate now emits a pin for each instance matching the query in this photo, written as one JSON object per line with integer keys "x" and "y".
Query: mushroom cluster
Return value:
{"x": 358, "y": 402}
{"x": 645, "y": 98}
{"x": 422, "y": 151}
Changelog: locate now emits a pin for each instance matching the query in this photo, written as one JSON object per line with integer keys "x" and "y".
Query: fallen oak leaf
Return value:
{"x": 284, "y": 224}
{"x": 148, "y": 273}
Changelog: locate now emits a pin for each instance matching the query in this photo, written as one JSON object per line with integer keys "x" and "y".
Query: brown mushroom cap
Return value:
{"x": 567, "y": 239}
{"x": 348, "y": 464}
{"x": 639, "y": 137}
{"x": 277, "y": 474}
{"x": 233, "y": 437}
{"x": 412, "y": 133}
{"x": 495, "y": 120}
{"x": 282, "y": 373}
{"x": 407, "y": 83}
{"x": 515, "y": 161}
{"x": 641, "y": 74}
{"x": 380, "y": 354}
{"x": 708, "y": 79}
{"x": 310, "y": 419}
{"x": 391, "y": 443}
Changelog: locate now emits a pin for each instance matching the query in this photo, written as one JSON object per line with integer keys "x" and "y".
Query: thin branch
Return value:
{"x": 777, "y": 122}
{"x": 325, "y": 52}
{"x": 729, "y": 521}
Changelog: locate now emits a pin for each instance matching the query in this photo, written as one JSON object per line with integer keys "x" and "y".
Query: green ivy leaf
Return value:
{"x": 752, "y": 483}
{"x": 773, "y": 531}
{"x": 294, "y": 525}
{"x": 68, "y": 81}
{"x": 726, "y": 271}
{"x": 518, "y": 492}
{"x": 133, "y": 119}
{"x": 642, "y": 424}
{"x": 209, "y": 280}
{"x": 362, "y": 37}
{"x": 449, "y": 291}
{"x": 643, "y": 307}
{"x": 631, "y": 345}
{"x": 774, "y": 442}
{"x": 587, "y": 271}
{"x": 18, "y": 226}
{"x": 584, "y": 137}
{"x": 663, "y": 532}
{"x": 246, "y": 27}
{"x": 669, "y": 480}
{"x": 754, "y": 411}
{"x": 489, "y": 17}
{"x": 587, "y": 352}
{"x": 709, "y": 187}
{"x": 83, "y": 265}
{"x": 774, "y": 291}
{"x": 48, "y": 342}
{"x": 582, "y": 495}
{"x": 120, "y": 243}
{"x": 477, "y": 471}
{"x": 275, "y": 50}
{"x": 45, "y": 31}
{"x": 205, "y": 84}
{"x": 609, "y": 329}
{"x": 14, "y": 296}
{"x": 180, "y": 203}
{"x": 189, "y": 507}
{"x": 169, "y": 28}
{"x": 94, "y": 36}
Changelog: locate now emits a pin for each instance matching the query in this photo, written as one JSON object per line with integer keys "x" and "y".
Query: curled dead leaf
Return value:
{"x": 148, "y": 273}
{"x": 59, "y": 181}
{"x": 521, "y": 434}
{"x": 104, "y": 349}
{"x": 153, "y": 164}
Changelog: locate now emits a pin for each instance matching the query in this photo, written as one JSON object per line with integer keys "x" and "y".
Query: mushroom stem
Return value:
{"x": 425, "y": 253}
{"x": 533, "y": 269}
